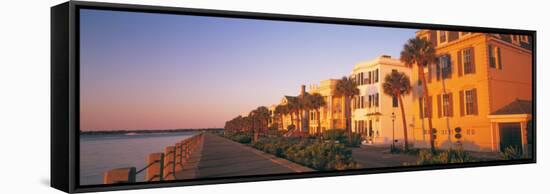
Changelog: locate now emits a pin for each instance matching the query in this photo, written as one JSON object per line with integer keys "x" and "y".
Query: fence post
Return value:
{"x": 120, "y": 175}
{"x": 169, "y": 162}
{"x": 179, "y": 162}
{"x": 155, "y": 171}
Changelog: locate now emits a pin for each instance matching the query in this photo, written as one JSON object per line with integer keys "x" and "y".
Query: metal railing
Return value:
{"x": 160, "y": 166}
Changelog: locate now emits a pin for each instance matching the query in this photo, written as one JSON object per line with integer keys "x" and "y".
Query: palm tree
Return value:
{"x": 420, "y": 52}
{"x": 347, "y": 88}
{"x": 263, "y": 115}
{"x": 281, "y": 110}
{"x": 397, "y": 84}
{"x": 293, "y": 107}
{"x": 305, "y": 106}
{"x": 316, "y": 101}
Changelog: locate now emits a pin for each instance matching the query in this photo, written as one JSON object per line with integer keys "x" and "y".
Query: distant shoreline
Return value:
{"x": 147, "y": 131}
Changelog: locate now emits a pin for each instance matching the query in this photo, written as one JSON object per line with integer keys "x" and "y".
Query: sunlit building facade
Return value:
{"x": 480, "y": 88}
{"x": 375, "y": 115}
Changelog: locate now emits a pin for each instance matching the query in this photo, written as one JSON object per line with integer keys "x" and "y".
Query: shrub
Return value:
{"x": 308, "y": 152}
{"x": 241, "y": 137}
{"x": 341, "y": 136}
{"x": 335, "y": 135}
{"x": 444, "y": 157}
{"x": 512, "y": 153}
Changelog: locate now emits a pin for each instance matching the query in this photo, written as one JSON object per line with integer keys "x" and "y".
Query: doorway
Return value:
{"x": 510, "y": 135}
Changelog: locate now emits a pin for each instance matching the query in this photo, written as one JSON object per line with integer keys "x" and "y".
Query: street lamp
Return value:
{"x": 393, "y": 130}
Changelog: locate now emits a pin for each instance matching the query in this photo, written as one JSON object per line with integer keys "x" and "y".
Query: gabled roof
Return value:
{"x": 516, "y": 107}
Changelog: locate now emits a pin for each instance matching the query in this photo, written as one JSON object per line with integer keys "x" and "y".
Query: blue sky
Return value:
{"x": 157, "y": 71}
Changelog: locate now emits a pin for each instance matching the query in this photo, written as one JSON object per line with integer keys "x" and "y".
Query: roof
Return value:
{"x": 518, "y": 106}
{"x": 380, "y": 60}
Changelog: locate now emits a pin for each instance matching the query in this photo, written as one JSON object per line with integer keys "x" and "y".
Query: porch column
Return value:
{"x": 495, "y": 137}
{"x": 524, "y": 146}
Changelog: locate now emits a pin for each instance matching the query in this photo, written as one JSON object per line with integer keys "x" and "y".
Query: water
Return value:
{"x": 100, "y": 153}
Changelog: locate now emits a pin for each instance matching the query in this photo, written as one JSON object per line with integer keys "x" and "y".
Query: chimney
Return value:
{"x": 303, "y": 90}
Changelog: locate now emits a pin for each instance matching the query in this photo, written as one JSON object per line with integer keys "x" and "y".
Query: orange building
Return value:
{"x": 480, "y": 88}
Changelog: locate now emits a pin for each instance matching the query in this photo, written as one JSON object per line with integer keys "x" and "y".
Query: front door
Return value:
{"x": 510, "y": 135}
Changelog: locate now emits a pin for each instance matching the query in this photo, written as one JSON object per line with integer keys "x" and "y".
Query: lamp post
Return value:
{"x": 393, "y": 130}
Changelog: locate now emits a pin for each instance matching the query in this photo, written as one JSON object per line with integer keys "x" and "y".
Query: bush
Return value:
{"x": 444, "y": 157}
{"x": 341, "y": 136}
{"x": 241, "y": 137}
{"x": 310, "y": 153}
{"x": 512, "y": 153}
{"x": 401, "y": 150}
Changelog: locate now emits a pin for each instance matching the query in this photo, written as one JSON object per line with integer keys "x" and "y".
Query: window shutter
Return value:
{"x": 473, "y": 59}
{"x": 429, "y": 73}
{"x": 459, "y": 62}
{"x": 499, "y": 59}
{"x": 474, "y": 96}
{"x": 439, "y": 105}
{"x": 420, "y": 108}
{"x": 450, "y": 104}
{"x": 449, "y": 73}
{"x": 461, "y": 104}
{"x": 430, "y": 107}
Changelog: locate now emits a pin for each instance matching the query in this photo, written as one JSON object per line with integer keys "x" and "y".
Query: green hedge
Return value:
{"x": 309, "y": 152}
{"x": 444, "y": 157}
{"x": 341, "y": 136}
{"x": 241, "y": 137}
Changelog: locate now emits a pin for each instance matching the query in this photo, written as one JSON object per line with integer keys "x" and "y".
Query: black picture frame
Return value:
{"x": 65, "y": 93}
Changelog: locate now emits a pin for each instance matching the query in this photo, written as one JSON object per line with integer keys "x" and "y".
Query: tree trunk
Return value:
{"x": 282, "y": 126}
{"x": 347, "y": 116}
{"x": 404, "y": 122}
{"x": 292, "y": 119}
{"x": 318, "y": 122}
{"x": 429, "y": 107}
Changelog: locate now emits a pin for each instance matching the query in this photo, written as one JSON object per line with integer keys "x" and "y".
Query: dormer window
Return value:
{"x": 443, "y": 36}
{"x": 515, "y": 39}
{"x": 524, "y": 38}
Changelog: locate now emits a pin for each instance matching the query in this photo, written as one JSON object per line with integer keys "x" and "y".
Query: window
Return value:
{"x": 442, "y": 36}
{"x": 471, "y": 101}
{"x": 468, "y": 61}
{"x": 362, "y": 102}
{"x": 395, "y": 102}
{"x": 376, "y": 76}
{"x": 443, "y": 67}
{"x": 447, "y": 100}
{"x": 370, "y": 101}
{"x": 369, "y": 78}
{"x": 494, "y": 57}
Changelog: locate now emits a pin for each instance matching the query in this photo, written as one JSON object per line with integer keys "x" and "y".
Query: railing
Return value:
{"x": 160, "y": 166}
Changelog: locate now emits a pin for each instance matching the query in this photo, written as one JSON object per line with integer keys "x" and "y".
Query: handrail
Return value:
{"x": 145, "y": 168}
{"x": 180, "y": 153}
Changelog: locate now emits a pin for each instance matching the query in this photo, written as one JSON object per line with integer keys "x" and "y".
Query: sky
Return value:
{"x": 166, "y": 71}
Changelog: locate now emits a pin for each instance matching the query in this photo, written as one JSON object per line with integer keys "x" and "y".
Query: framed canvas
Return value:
{"x": 148, "y": 96}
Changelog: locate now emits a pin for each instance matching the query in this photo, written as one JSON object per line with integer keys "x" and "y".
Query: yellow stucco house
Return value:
{"x": 332, "y": 115}
{"x": 480, "y": 88}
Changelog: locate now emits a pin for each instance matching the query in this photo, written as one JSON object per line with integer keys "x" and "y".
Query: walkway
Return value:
{"x": 221, "y": 157}
{"x": 376, "y": 157}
